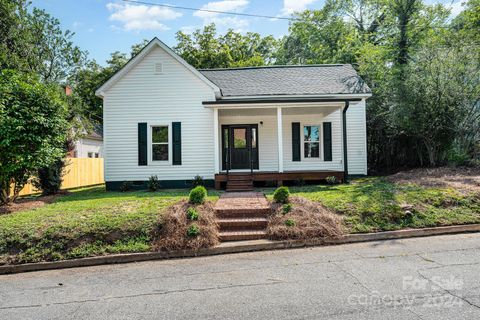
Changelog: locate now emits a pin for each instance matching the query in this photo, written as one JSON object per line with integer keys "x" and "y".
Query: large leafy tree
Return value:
{"x": 33, "y": 129}
{"x": 205, "y": 49}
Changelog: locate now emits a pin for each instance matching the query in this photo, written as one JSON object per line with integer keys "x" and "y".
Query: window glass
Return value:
{"x": 239, "y": 138}
{"x": 311, "y": 138}
{"x": 159, "y": 134}
{"x": 160, "y": 143}
{"x": 254, "y": 137}
{"x": 225, "y": 138}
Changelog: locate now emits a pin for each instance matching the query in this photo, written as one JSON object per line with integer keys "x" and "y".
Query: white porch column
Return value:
{"x": 280, "y": 139}
{"x": 216, "y": 152}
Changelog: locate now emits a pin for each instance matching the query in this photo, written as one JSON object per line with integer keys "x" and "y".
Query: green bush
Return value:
{"x": 281, "y": 195}
{"x": 192, "y": 214}
{"x": 197, "y": 195}
{"x": 287, "y": 208}
{"x": 193, "y": 230}
{"x": 331, "y": 180}
{"x": 290, "y": 222}
{"x": 153, "y": 183}
{"x": 198, "y": 181}
{"x": 125, "y": 186}
{"x": 49, "y": 179}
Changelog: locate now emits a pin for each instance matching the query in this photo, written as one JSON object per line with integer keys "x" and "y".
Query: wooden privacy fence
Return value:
{"x": 79, "y": 172}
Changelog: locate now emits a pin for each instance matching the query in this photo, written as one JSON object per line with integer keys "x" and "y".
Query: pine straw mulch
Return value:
{"x": 464, "y": 179}
{"x": 172, "y": 234}
{"x": 23, "y": 204}
{"x": 312, "y": 221}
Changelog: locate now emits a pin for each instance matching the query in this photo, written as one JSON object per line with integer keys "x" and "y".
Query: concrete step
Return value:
{"x": 242, "y": 235}
{"x": 230, "y": 224}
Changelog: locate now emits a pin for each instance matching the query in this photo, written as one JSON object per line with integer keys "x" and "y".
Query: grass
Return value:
{"x": 86, "y": 222}
{"x": 374, "y": 204}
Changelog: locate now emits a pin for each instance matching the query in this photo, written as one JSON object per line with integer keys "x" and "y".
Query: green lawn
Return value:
{"x": 374, "y": 204}
{"x": 86, "y": 222}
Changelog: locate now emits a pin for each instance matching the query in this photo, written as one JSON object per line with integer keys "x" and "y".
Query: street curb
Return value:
{"x": 236, "y": 247}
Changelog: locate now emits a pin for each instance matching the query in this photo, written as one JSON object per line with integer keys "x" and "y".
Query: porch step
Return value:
{"x": 239, "y": 182}
{"x": 232, "y": 224}
{"x": 242, "y": 235}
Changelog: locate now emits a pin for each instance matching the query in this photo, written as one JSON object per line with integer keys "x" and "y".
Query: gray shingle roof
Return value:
{"x": 287, "y": 80}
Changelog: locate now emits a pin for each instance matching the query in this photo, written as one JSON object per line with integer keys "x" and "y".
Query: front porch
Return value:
{"x": 279, "y": 178}
{"x": 278, "y": 142}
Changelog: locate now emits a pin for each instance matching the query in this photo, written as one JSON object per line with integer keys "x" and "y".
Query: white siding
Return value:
{"x": 143, "y": 96}
{"x": 357, "y": 138}
{"x": 84, "y": 145}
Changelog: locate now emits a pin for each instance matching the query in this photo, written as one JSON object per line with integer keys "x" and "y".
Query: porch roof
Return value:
{"x": 281, "y": 81}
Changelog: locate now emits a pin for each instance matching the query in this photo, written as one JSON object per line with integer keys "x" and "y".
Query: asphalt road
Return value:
{"x": 423, "y": 278}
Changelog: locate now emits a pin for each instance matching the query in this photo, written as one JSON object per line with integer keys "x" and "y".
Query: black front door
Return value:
{"x": 240, "y": 146}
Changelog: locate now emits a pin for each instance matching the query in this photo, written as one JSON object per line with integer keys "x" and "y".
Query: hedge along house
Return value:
{"x": 231, "y": 126}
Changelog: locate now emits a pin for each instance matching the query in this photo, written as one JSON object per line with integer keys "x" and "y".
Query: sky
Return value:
{"x": 104, "y": 26}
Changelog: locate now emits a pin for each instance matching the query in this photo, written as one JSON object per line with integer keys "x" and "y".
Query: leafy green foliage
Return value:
{"x": 198, "y": 181}
{"x": 125, "y": 186}
{"x": 331, "y": 180}
{"x": 192, "y": 214}
{"x": 281, "y": 195}
{"x": 287, "y": 208}
{"x": 32, "y": 130}
{"x": 49, "y": 179}
{"x": 153, "y": 183}
{"x": 204, "y": 49}
{"x": 290, "y": 223}
{"x": 198, "y": 195}
{"x": 193, "y": 230}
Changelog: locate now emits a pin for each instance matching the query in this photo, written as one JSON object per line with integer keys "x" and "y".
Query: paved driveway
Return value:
{"x": 423, "y": 278}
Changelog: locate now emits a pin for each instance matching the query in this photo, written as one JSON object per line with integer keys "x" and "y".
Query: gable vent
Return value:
{"x": 158, "y": 68}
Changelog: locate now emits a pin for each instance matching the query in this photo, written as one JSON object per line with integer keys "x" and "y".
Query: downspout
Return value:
{"x": 345, "y": 157}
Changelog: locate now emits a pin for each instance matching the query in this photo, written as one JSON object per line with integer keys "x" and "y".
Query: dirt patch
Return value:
{"x": 312, "y": 221}
{"x": 173, "y": 233}
{"x": 464, "y": 179}
{"x": 23, "y": 204}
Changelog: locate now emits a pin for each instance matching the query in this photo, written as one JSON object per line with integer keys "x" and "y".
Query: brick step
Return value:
{"x": 240, "y": 178}
{"x": 239, "y": 188}
{"x": 230, "y": 224}
{"x": 242, "y": 235}
{"x": 241, "y": 213}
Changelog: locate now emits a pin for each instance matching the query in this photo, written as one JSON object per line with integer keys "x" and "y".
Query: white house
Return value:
{"x": 89, "y": 146}
{"x": 231, "y": 126}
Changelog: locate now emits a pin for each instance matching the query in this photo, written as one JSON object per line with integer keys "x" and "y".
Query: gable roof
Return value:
{"x": 155, "y": 42}
{"x": 315, "y": 80}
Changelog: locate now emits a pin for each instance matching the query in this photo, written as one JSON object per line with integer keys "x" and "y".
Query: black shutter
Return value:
{"x": 327, "y": 141}
{"x": 295, "y": 141}
{"x": 177, "y": 143}
{"x": 142, "y": 144}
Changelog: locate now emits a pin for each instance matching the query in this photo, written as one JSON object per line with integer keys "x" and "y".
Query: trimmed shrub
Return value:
{"x": 49, "y": 179}
{"x": 192, "y": 214}
{"x": 287, "y": 208}
{"x": 281, "y": 195}
{"x": 153, "y": 183}
{"x": 193, "y": 230}
{"x": 331, "y": 180}
{"x": 290, "y": 223}
{"x": 198, "y": 195}
{"x": 198, "y": 181}
{"x": 125, "y": 186}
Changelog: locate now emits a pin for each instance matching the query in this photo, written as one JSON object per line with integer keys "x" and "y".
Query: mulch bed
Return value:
{"x": 312, "y": 221}
{"x": 174, "y": 225}
{"x": 23, "y": 204}
{"x": 464, "y": 179}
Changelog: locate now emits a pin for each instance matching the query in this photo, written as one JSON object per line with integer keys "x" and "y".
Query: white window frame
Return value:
{"x": 150, "y": 144}
{"x": 320, "y": 142}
